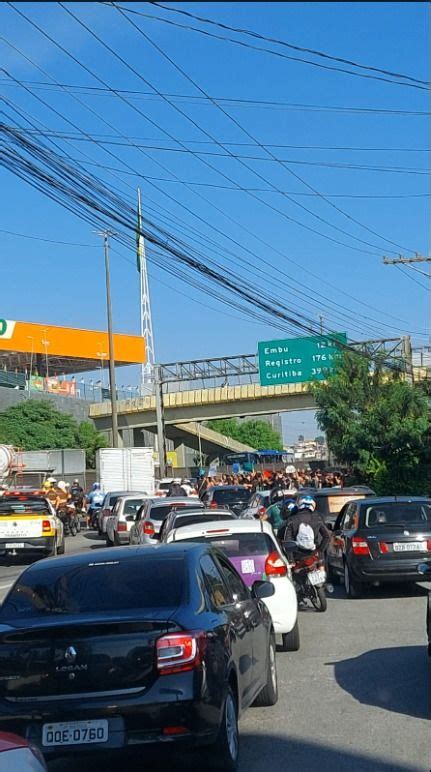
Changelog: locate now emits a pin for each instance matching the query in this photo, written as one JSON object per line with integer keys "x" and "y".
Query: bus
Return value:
{"x": 258, "y": 460}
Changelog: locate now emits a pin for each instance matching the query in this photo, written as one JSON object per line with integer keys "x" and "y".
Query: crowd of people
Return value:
{"x": 267, "y": 480}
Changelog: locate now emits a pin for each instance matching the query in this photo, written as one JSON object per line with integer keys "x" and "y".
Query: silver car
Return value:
{"x": 149, "y": 518}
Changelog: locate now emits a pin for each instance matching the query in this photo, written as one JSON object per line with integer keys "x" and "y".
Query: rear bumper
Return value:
{"x": 394, "y": 570}
{"x": 41, "y": 544}
{"x": 283, "y": 605}
{"x": 132, "y": 720}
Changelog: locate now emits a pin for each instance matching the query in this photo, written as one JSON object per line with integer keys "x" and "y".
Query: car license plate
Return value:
{"x": 412, "y": 546}
{"x": 15, "y": 545}
{"x": 75, "y": 733}
{"x": 317, "y": 577}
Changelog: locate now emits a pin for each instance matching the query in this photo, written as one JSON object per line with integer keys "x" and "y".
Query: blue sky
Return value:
{"x": 62, "y": 284}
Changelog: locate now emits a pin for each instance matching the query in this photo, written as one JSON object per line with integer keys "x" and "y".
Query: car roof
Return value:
{"x": 124, "y": 493}
{"x": 374, "y": 500}
{"x": 228, "y": 488}
{"x": 134, "y": 496}
{"x": 113, "y": 555}
{"x": 161, "y": 502}
{"x": 207, "y": 513}
{"x": 234, "y": 526}
{"x": 351, "y": 490}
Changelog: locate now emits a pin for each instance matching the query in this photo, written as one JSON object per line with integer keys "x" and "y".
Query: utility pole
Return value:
{"x": 160, "y": 418}
{"x": 147, "y": 372}
{"x": 112, "y": 385}
{"x": 408, "y": 261}
{"x": 321, "y": 318}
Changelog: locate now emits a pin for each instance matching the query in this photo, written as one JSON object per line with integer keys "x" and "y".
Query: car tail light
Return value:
{"x": 275, "y": 565}
{"x": 384, "y": 549}
{"x": 213, "y": 505}
{"x": 360, "y": 546}
{"x": 429, "y": 545}
{"x": 149, "y": 529}
{"x": 179, "y": 652}
{"x": 121, "y": 527}
{"x": 46, "y": 526}
{"x": 261, "y": 511}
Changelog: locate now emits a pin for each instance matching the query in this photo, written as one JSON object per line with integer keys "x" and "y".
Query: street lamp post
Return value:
{"x": 112, "y": 384}
{"x": 30, "y": 337}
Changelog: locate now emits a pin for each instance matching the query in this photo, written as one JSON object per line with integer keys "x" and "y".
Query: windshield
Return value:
{"x": 238, "y": 544}
{"x": 231, "y": 496}
{"x": 127, "y": 584}
{"x": 160, "y": 512}
{"x": 17, "y": 507}
{"x": 131, "y": 506}
{"x": 402, "y": 513}
{"x": 183, "y": 520}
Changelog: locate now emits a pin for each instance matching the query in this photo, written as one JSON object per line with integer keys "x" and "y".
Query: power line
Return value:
{"x": 233, "y": 101}
{"x": 360, "y": 302}
{"x": 285, "y": 43}
{"x": 48, "y": 241}
{"x": 240, "y": 160}
{"x": 253, "y": 138}
{"x": 272, "y": 52}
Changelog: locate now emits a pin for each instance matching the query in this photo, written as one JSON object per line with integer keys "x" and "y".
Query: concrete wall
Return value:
{"x": 78, "y": 408}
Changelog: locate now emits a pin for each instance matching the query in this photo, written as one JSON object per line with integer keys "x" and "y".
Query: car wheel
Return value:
{"x": 61, "y": 548}
{"x": 226, "y": 746}
{"x": 353, "y": 589}
{"x": 109, "y": 543}
{"x": 269, "y": 694}
{"x": 117, "y": 542}
{"x": 291, "y": 639}
{"x": 54, "y": 550}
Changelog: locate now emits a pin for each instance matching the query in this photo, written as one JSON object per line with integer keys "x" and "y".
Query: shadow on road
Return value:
{"x": 395, "y": 679}
{"x": 258, "y": 752}
{"x": 384, "y": 592}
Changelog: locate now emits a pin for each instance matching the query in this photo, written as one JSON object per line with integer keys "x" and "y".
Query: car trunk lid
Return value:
{"x": 75, "y": 657}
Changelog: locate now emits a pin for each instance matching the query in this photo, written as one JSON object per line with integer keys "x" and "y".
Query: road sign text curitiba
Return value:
{"x": 298, "y": 360}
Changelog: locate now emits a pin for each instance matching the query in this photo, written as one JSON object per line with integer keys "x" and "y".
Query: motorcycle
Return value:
{"x": 70, "y": 519}
{"x": 308, "y": 575}
{"x": 93, "y": 515}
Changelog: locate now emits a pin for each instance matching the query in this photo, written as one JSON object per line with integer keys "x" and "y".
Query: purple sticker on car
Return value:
{"x": 250, "y": 567}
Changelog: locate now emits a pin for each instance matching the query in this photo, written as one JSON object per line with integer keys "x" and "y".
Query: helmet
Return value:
{"x": 51, "y": 480}
{"x": 46, "y": 485}
{"x": 95, "y": 486}
{"x": 307, "y": 502}
{"x": 62, "y": 485}
{"x": 76, "y": 481}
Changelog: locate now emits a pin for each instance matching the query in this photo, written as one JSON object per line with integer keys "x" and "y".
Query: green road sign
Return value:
{"x": 298, "y": 360}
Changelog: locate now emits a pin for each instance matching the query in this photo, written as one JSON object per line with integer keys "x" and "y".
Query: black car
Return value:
{"x": 178, "y": 518}
{"x": 330, "y": 501}
{"x": 235, "y": 497}
{"x": 378, "y": 540}
{"x": 141, "y": 645}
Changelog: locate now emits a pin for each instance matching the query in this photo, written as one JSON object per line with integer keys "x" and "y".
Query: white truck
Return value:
{"x": 126, "y": 469}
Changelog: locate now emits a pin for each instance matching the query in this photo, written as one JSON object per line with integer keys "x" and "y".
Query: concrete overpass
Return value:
{"x": 197, "y": 405}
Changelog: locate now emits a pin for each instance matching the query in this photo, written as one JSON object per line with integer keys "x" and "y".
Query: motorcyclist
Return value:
{"x": 95, "y": 500}
{"x": 275, "y": 514}
{"x": 177, "y": 490}
{"x": 77, "y": 494}
{"x": 307, "y": 516}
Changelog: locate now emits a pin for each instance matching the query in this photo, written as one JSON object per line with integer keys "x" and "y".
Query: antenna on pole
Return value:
{"x": 147, "y": 371}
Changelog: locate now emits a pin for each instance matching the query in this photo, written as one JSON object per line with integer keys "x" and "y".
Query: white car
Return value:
{"x": 253, "y": 550}
{"x": 120, "y": 521}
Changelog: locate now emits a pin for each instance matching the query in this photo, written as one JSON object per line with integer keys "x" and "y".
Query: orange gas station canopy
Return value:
{"x": 69, "y": 350}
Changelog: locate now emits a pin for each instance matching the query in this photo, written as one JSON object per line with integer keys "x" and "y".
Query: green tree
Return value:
{"x": 90, "y": 440}
{"x": 256, "y": 434}
{"x": 376, "y": 423}
{"x": 37, "y": 425}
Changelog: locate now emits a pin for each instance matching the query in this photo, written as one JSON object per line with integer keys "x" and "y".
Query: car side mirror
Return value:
{"x": 425, "y": 569}
{"x": 261, "y": 590}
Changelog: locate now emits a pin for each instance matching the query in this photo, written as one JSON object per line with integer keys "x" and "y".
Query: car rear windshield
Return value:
{"x": 160, "y": 512}
{"x": 240, "y": 544}
{"x": 237, "y": 495}
{"x": 183, "y": 520}
{"x": 98, "y": 587}
{"x": 402, "y": 513}
{"x": 15, "y": 507}
{"x": 132, "y": 505}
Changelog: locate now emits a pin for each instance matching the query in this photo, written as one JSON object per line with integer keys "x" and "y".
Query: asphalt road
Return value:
{"x": 355, "y": 698}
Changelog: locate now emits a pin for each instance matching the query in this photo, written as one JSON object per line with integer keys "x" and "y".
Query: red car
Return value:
{"x": 17, "y": 755}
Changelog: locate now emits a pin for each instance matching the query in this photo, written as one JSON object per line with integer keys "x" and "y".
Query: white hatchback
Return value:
{"x": 120, "y": 521}
{"x": 253, "y": 550}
